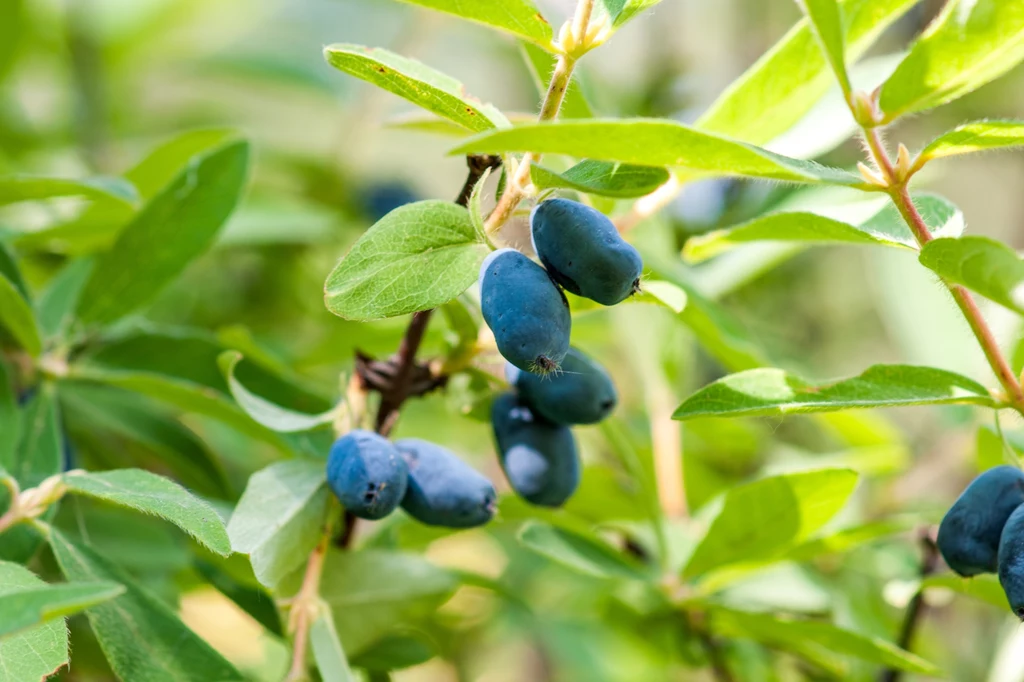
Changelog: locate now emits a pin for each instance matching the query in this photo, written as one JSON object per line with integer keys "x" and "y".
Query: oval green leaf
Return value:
{"x": 622, "y": 181}
{"x": 978, "y": 136}
{"x": 981, "y": 264}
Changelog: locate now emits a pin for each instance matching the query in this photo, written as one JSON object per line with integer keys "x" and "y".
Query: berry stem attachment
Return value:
{"x": 553, "y": 98}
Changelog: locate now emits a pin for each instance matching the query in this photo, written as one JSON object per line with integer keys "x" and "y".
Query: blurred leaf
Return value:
{"x": 774, "y": 392}
{"x": 981, "y": 264}
{"x": 993, "y": 449}
{"x": 373, "y": 592}
{"x": 883, "y": 228}
{"x": 804, "y": 636}
{"x": 127, "y": 422}
{"x": 56, "y": 305}
{"x": 394, "y": 653}
{"x": 13, "y": 27}
{"x": 656, "y": 292}
{"x": 423, "y": 122}
{"x": 263, "y": 411}
{"x": 151, "y": 494}
{"x": 39, "y": 452}
{"x": 415, "y": 258}
{"x": 971, "y": 43}
{"x": 36, "y": 653}
{"x": 578, "y": 553}
{"x": 518, "y": 17}
{"x": 846, "y": 539}
{"x": 621, "y": 181}
{"x": 10, "y": 417}
{"x": 33, "y": 606}
{"x": 984, "y": 588}
{"x": 328, "y": 652}
{"x": 15, "y": 188}
{"x": 654, "y": 142}
{"x": 174, "y": 228}
{"x": 98, "y": 226}
{"x": 184, "y": 395}
{"x": 828, "y": 25}
{"x": 9, "y": 269}
{"x": 140, "y": 636}
{"x": 252, "y": 600}
{"x": 279, "y": 518}
{"x": 416, "y": 82}
{"x": 760, "y": 519}
{"x": 541, "y": 64}
{"x": 978, "y": 136}
{"x": 785, "y": 83}
{"x": 16, "y": 317}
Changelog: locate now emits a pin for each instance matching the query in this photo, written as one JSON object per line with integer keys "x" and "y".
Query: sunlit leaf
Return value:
{"x": 14, "y": 188}
{"x": 518, "y": 17}
{"x": 622, "y": 181}
{"x": 981, "y": 264}
{"x": 978, "y": 136}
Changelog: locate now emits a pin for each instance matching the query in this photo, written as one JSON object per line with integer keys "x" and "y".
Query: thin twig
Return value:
{"x": 915, "y": 609}
{"x": 305, "y": 607}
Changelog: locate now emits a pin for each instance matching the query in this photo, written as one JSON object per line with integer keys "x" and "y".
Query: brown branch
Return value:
{"x": 401, "y": 378}
{"x": 916, "y": 608}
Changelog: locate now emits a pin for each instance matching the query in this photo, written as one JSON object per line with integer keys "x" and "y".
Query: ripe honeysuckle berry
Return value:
{"x": 969, "y": 533}
{"x": 367, "y": 474}
{"x": 1011, "y": 561}
{"x": 525, "y": 310}
{"x": 443, "y": 490}
{"x": 583, "y": 251}
{"x": 580, "y": 392}
{"x": 539, "y": 458}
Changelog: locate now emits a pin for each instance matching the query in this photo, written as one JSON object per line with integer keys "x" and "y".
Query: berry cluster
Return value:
{"x": 556, "y": 386}
{"x": 983, "y": 532}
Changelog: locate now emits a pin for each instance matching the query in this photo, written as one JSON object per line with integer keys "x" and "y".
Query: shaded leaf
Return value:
{"x": 328, "y": 652}
{"x": 622, "y": 181}
{"x": 578, "y": 553}
{"x": 35, "y": 605}
{"x": 971, "y": 43}
{"x": 254, "y": 601}
{"x": 151, "y": 494}
{"x": 17, "y": 318}
{"x": 654, "y": 142}
{"x": 39, "y": 451}
{"x": 518, "y": 17}
{"x": 759, "y": 520}
{"x": 33, "y": 654}
{"x": 793, "y": 75}
{"x": 415, "y": 258}
{"x": 140, "y": 636}
{"x": 415, "y": 82}
{"x": 981, "y": 264}
{"x": 15, "y": 188}
{"x": 56, "y": 305}
{"x": 263, "y": 411}
{"x": 279, "y": 518}
{"x": 774, "y": 392}
{"x": 174, "y": 228}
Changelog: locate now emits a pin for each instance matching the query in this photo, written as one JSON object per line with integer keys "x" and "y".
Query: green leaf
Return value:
{"x": 372, "y": 593}
{"x": 978, "y": 136}
{"x": 776, "y": 92}
{"x": 174, "y": 228}
{"x": 37, "y": 653}
{"x": 15, "y": 188}
{"x": 984, "y": 588}
{"x": 16, "y": 317}
{"x": 416, "y": 82}
{"x": 881, "y": 227}
{"x": 578, "y": 553}
{"x": 185, "y": 395}
{"x": 33, "y": 606}
{"x": 279, "y": 518}
{"x": 618, "y": 12}
{"x": 621, "y": 181}
{"x": 99, "y": 224}
{"x": 9, "y": 269}
{"x": 415, "y": 258}
{"x": 39, "y": 452}
{"x": 816, "y": 638}
{"x": 761, "y": 519}
{"x": 56, "y": 305}
{"x": 518, "y": 17}
{"x": 151, "y": 494}
{"x": 766, "y": 391}
{"x": 848, "y": 538}
{"x": 263, "y": 411}
{"x": 981, "y": 264}
{"x": 328, "y": 652}
{"x": 828, "y": 25}
{"x": 141, "y": 637}
{"x": 541, "y": 64}
{"x": 654, "y": 142}
{"x": 971, "y": 43}
{"x": 656, "y": 292}
{"x": 10, "y": 418}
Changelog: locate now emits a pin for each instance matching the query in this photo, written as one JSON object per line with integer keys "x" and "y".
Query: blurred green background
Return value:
{"x": 91, "y": 86}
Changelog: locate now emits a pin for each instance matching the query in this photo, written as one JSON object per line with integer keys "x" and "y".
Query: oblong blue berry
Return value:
{"x": 367, "y": 473}
{"x": 969, "y": 533}
{"x": 580, "y": 392}
{"x": 443, "y": 490}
